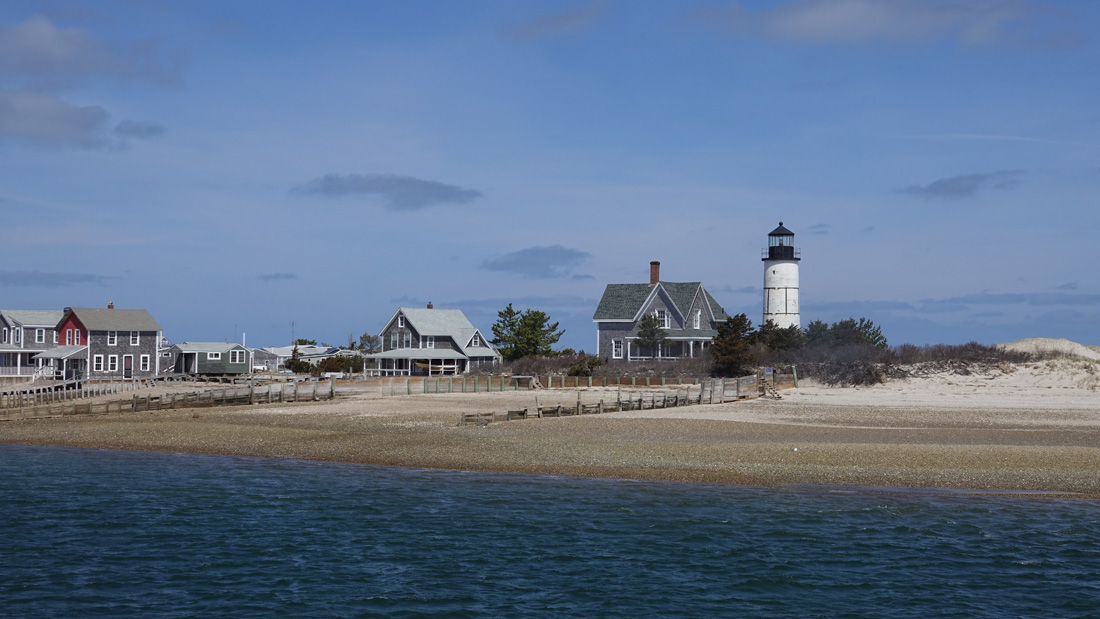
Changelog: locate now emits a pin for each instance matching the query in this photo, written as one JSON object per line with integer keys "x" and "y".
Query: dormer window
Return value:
{"x": 428, "y": 341}
{"x": 400, "y": 322}
{"x": 697, "y": 320}
{"x": 477, "y": 340}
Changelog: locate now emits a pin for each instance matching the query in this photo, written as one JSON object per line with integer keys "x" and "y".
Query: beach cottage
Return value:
{"x": 427, "y": 341}
{"x": 687, "y": 313}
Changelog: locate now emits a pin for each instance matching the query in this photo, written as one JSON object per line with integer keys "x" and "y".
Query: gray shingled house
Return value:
{"x": 427, "y": 341}
{"x": 211, "y": 358}
{"x": 24, "y": 334}
{"x": 105, "y": 343}
{"x": 685, "y": 310}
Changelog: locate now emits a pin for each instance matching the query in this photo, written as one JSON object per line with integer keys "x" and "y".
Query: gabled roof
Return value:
{"x": 33, "y": 318}
{"x": 624, "y": 302}
{"x": 450, "y": 323}
{"x": 100, "y": 319}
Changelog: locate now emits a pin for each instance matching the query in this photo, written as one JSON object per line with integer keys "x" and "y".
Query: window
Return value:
{"x": 40, "y": 336}
{"x": 18, "y": 335}
{"x": 135, "y": 338}
{"x": 666, "y": 350}
{"x": 616, "y": 349}
{"x": 698, "y": 319}
{"x": 393, "y": 340}
{"x": 112, "y": 338}
{"x": 662, "y": 318}
{"x": 112, "y": 363}
{"x": 4, "y": 337}
{"x": 55, "y": 337}
{"x": 408, "y": 340}
{"x": 76, "y": 336}
{"x": 97, "y": 363}
{"x": 477, "y": 340}
{"x": 213, "y": 356}
{"x": 68, "y": 337}
{"x": 236, "y": 356}
{"x": 428, "y": 341}
{"x": 145, "y": 363}
{"x": 401, "y": 322}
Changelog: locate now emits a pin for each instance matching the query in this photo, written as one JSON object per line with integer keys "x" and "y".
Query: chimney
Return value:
{"x": 429, "y": 305}
{"x": 654, "y": 273}
{"x": 111, "y": 305}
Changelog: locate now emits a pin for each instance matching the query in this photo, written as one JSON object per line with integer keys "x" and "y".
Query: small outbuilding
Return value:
{"x": 212, "y": 358}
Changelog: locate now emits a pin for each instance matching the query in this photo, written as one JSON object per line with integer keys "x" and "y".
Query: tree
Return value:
{"x": 774, "y": 338}
{"x": 370, "y": 343}
{"x": 304, "y": 342}
{"x": 524, "y": 334}
{"x": 816, "y": 333}
{"x": 848, "y": 332}
{"x": 651, "y": 336}
{"x": 732, "y": 349}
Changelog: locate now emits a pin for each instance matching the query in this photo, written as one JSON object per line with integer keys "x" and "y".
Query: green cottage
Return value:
{"x": 211, "y": 358}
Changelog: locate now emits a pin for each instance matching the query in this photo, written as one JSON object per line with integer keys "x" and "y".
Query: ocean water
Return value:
{"x": 91, "y": 533}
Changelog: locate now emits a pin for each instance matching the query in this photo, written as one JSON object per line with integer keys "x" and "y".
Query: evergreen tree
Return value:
{"x": 651, "y": 336}
{"x": 524, "y": 334}
{"x": 732, "y": 352}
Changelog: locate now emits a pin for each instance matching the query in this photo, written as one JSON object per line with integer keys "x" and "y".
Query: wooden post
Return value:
{"x": 332, "y": 388}
{"x": 794, "y": 372}
{"x": 578, "y": 402}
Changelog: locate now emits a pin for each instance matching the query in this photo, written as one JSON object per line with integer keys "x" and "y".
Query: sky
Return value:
{"x": 269, "y": 170}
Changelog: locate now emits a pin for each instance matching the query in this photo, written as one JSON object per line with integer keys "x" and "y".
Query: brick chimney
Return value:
{"x": 654, "y": 273}
{"x": 429, "y": 305}
{"x": 110, "y": 305}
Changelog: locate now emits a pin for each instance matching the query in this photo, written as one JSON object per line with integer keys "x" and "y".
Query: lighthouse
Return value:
{"x": 781, "y": 279}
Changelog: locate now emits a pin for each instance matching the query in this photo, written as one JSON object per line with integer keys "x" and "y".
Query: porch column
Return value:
{"x": 691, "y": 349}
{"x": 627, "y": 348}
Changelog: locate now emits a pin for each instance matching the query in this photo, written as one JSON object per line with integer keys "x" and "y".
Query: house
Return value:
{"x": 211, "y": 358}
{"x": 24, "y": 334}
{"x": 426, "y": 341}
{"x": 688, "y": 314}
{"x": 105, "y": 343}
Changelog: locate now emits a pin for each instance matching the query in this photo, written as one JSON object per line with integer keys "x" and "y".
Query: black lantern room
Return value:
{"x": 781, "y": 245}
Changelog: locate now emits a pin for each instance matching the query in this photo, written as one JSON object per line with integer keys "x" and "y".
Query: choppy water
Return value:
{"x": 89, "y": 533}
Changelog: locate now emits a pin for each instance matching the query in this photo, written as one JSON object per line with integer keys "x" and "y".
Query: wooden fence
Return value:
{"x": 411, "y": 385}
{"x": 229, "y": 396}
{"x": 70, "y": 390}
{"x": 709, "y": 391}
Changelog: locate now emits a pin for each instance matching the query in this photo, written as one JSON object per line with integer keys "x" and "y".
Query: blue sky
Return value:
{"x": 237, "y": 166}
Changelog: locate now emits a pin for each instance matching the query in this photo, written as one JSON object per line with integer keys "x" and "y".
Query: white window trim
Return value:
{"x": 427, "y": 341}
{"x": 144, "y": 361}
{"x": 408, "y": 340}
{"x": 97, "y": 363}
{"x": 616, "y": 349}
{"x": 698, "y": 319}
{"x": 76, "y": 336}
{"x": 663, "y": 318}
{"x": 112, "y": 338}
{"x": 237, "y": 356}
{"x": 112, "y": 363}
{"x": 68, "y": 337}
{"x": 135, "y": 338}
{"x": 213, "y": 356}
{"x": 39, "y": 336}
{"x": 477, "y": 340}
{"x": 401, "y": 322}
{"x": 55, "y": 335}
{"x": 4, "y": 339}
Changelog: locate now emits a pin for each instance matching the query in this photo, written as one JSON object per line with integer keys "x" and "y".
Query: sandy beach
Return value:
{"x": 1034, "y": 429}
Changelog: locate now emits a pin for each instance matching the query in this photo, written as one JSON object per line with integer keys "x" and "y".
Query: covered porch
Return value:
{"x": 686, "y": 348}
{"x": 419, "y": 362}
{"x": 65, "y": 362}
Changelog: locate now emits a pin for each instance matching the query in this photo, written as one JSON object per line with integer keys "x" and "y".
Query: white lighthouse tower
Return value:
{"x": 781, "y": 279}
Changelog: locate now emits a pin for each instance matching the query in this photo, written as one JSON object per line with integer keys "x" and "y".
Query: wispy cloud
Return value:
{"x": 970, "y": 23}
{"x": 538, "y": 302}
{"x": 38, "y": 60}
{"x": 138, "y": 130}
{"x": 38, "y": 55}
{"x": 39, "y": 279}
{"x": 559, "y": 24}
{"x": 276, "y": 277}
{"x": 553, "y": 261}
{"x": 400, "y": 193}
{"x": 821, "y": 229}
{"x": 965, "y": 186}
{"x": 43, "y": 119}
